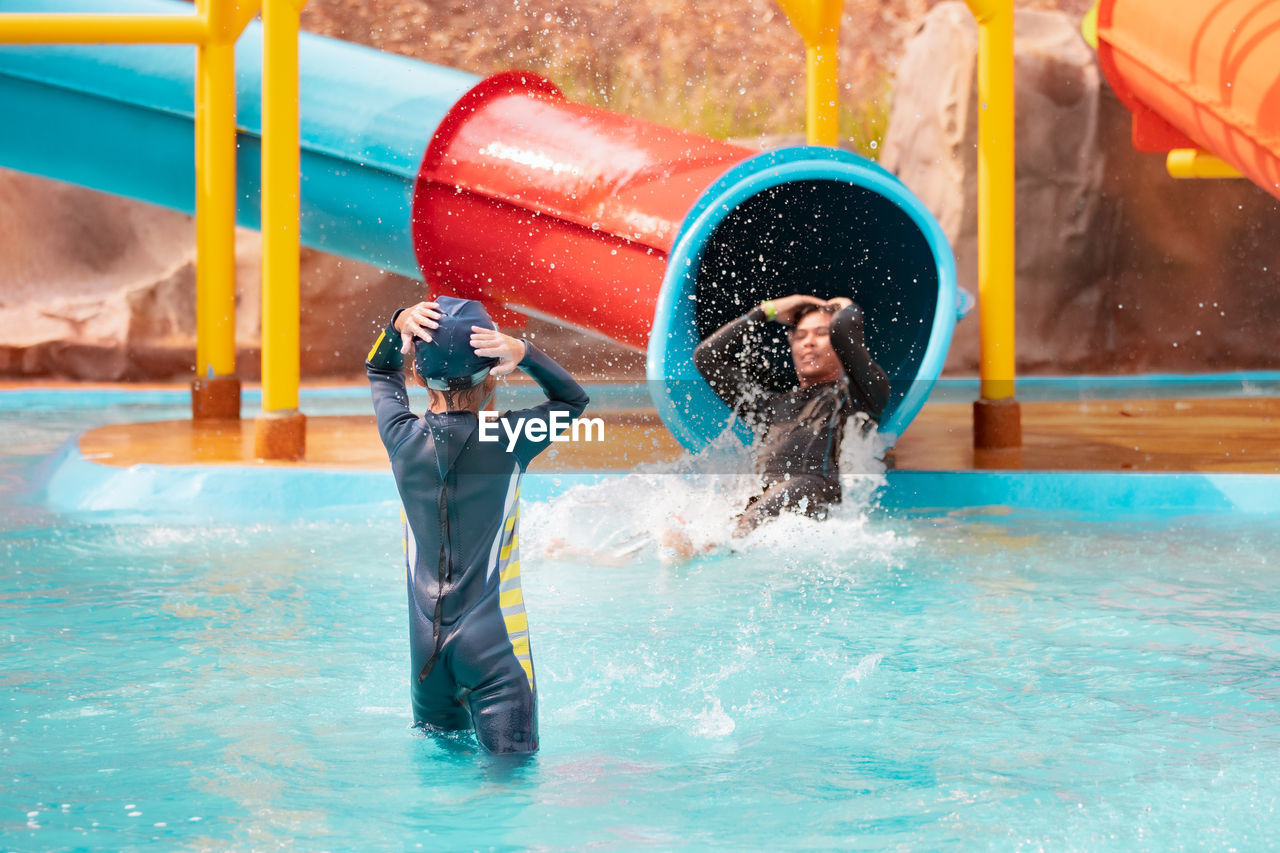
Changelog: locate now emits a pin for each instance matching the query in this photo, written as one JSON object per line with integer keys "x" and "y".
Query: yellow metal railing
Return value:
{"x": 73, "y": 28}
{"x": 214, "y": 29}
{"x": 215, "y": 135}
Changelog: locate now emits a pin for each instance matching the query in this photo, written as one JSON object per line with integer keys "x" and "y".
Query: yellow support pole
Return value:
{"x": 1089, "y": 26}
{"x": 822, "y": 118}
{"x": 280, "y": 431}
{"x": 244, "y": 12}
{"x": 69, "y": 28}
{"x": 997, "y": 418}
{"x": 1195, "y": 163}
{"x": 818, "y": 23}
{"x": 215, "y": 390}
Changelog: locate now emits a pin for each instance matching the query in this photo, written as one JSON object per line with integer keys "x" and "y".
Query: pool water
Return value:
{"x": 975, "y": 679}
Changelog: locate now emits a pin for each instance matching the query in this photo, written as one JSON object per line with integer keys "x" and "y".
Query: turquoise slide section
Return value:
{"x": 119, "y": 118}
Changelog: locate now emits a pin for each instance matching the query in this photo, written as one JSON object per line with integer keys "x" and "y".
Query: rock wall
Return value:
{"x": 103, "y": 288}
{"x": 1119, "y": 266}
{"x": 87, "y": 276}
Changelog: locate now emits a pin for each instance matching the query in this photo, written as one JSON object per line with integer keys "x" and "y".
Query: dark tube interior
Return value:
{"x": 825, "y": 238}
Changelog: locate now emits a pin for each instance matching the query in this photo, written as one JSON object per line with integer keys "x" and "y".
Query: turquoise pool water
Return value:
{"x": 907, "y": 679}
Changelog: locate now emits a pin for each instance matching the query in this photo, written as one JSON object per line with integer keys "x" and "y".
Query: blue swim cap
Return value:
{"x": 448, "y": 363}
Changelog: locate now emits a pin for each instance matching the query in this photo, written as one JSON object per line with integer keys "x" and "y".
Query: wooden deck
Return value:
{"x": 351, "y": 441}
{"x": 1197, "y": 434}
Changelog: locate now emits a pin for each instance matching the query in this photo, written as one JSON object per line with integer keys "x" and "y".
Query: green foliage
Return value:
{"x": 719, "y": 108}
{"x": 863, "y": 125}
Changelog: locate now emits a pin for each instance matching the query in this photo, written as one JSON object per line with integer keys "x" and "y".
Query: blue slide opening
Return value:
{"x": 803, "y": 220}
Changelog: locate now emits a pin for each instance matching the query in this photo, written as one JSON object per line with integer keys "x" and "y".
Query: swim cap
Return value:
{"x": 448, "y": 363}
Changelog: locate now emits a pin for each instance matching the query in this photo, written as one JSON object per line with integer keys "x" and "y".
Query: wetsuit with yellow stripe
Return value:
{"x": 469, "y": 636}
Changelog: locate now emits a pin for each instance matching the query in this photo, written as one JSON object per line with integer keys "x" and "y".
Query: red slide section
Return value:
{"x": 526, "y": 199}
{"x": 1199, "y": 74}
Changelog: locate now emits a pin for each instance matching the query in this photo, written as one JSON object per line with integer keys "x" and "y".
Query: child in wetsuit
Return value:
{"x": 469, "y": 636}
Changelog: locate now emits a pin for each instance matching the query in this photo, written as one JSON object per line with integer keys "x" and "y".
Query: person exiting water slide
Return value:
{"x": 799, "y": 431}
{"x": 471, "y": 661}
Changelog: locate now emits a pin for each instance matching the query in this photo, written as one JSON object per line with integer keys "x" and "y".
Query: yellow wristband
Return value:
{"x": 769, "y": 311}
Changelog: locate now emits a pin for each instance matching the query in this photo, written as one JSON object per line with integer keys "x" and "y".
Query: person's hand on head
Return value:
{"x": 840, "y": 302}
{"x": 490, "y": 343}
{"x": 416, "y": 322}
{"x": 784, "y": 309}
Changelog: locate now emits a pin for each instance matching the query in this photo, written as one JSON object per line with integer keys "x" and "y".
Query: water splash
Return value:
{"x": 863, "y": 668}
{"x": 687, "y": 508}
{"x": 712, "y": 721}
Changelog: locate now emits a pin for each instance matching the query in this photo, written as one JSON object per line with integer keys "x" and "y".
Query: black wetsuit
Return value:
{"x": 798, "y": 432}
{"x": 468, "y": 633}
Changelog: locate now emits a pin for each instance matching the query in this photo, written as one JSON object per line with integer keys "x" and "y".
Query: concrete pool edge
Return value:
{"x": 73, "y": 483}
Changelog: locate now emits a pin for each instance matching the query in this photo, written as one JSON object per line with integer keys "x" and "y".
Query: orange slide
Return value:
{"x": 1199, "y": 74}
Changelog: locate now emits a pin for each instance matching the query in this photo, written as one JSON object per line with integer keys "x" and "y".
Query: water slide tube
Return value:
{"x": 1199, "y": 75}
{"x": 501, "y": 189}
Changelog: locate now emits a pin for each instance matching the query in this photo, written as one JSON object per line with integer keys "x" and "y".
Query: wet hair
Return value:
{"x": 465, "y": 399}
{"x": 807, "y": 309}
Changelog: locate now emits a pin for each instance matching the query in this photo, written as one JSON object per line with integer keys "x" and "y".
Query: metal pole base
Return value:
{"x": 280, "y": 436}
{"x": 215, "y": 398}
{"x": 997, "y": 424}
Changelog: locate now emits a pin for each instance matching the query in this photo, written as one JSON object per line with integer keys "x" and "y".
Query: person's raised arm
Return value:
{"x": 719, "y": 357}
{"x": 385, "y": 368}
{"x": 564, "y": 394}
{"x": 867, "y": 379}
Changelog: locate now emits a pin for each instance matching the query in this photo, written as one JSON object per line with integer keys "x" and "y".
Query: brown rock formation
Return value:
{"x": 85, "y": 277}
{"x": 103, "y": 288}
